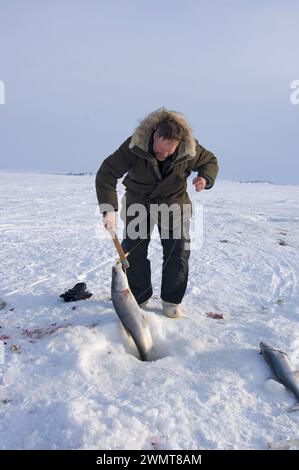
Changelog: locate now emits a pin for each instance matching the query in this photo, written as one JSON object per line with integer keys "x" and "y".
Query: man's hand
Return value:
{"x": 109, "y": 221}
{"x": 200, "y": 183}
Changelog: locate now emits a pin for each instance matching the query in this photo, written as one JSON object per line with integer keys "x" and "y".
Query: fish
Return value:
{"x": 282, "y": 370}
{"x": 129, "y": 312}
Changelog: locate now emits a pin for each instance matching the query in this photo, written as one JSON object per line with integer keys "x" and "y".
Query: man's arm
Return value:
{"x": 206, "y": 165}
{"x": 112, "y": 168}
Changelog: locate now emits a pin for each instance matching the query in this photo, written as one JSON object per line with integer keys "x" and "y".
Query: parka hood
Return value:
{"x": 143, "y": 132}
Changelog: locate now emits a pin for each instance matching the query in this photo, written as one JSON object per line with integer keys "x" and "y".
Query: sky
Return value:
{"x": 80, "y": 75}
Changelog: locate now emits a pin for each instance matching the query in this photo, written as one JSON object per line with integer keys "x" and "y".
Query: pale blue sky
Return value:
{"x": 80, "y": 74}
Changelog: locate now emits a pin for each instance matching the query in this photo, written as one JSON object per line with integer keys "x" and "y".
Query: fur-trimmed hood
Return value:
{"x": 143, "y": 132}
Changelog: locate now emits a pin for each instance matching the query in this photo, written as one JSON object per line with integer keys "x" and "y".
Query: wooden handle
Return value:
{"x": 120, "y": 251}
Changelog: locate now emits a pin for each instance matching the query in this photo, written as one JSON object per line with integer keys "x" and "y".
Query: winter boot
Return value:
{"x": 172, "y": 310}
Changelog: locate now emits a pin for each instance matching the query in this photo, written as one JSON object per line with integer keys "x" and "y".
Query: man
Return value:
{"x": 157, "y": 160}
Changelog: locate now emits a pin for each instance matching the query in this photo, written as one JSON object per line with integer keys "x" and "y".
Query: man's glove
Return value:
{"x": 78, "y": 292}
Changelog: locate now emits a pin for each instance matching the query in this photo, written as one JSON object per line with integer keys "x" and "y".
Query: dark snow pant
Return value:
{"x": 176, "y": 253}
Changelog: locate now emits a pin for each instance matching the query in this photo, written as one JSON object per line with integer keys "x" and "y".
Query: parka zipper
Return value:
{"x": 155, "y": 166}
{"x": 178, "y": 163}
{"x": 151, "y": 162}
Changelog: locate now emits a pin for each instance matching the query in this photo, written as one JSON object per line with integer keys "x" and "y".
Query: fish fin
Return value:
{"x": 127, "y": 331}
{"x": 133, "y": 343}
{"x": 294, "y": 408}
{"x": 142, "y": 354}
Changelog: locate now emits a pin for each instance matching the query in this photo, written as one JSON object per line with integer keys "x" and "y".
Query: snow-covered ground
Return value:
{"x": 69, "y": 380}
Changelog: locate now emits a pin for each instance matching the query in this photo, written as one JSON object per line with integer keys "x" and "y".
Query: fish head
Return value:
{"x": 264, "y": 346}
{"x": 119, "y": 278}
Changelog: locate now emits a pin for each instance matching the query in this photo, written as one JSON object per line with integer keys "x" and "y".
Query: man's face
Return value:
{"x": 163, "y": 148}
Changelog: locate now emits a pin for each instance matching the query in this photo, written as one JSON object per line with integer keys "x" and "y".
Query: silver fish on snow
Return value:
{"x": 129, "y": 312}
{"x": 282, "y": 370}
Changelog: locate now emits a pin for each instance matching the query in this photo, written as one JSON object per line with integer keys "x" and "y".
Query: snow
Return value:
{"x": 273, "y": 386}
{"x": 71, "y": 381}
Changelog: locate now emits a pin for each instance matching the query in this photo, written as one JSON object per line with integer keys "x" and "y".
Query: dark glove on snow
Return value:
{"x": 78, "y": 292}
